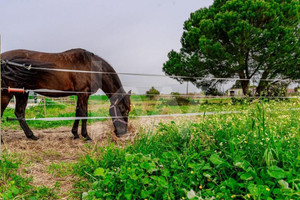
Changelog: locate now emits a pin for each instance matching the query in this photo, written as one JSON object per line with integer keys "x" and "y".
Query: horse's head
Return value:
{"x": 119, "y": 111}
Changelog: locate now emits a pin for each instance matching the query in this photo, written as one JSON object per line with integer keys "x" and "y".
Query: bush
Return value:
{"x": 213, "y": 92}
{"x": 179, "y": 100}
{"x": 242, "y": 101}
{"x": 152, "y": 93}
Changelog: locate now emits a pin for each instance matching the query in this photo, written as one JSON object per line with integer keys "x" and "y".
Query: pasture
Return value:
{"x": 248, "y": 155}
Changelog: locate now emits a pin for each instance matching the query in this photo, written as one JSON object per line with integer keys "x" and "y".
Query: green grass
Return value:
{"x": 253, "y": 155}
{"x": 249, "y": 156}
{"x": 99, "y": 105}
{"x": 53, "y": 109}
{"x": 14, "y": 185}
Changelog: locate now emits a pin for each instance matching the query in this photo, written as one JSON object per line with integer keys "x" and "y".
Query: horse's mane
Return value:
{"x": 22, "y": 76}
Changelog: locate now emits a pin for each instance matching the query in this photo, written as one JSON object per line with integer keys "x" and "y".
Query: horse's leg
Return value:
{"x": 5, "y": 98}
{"x": 84, "y": 113}
{"x": 76, "y": 122}
{"x": 21, "y": 103}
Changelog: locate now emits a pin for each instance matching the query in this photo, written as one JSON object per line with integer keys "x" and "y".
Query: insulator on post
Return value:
{"x": 18, "y": 90}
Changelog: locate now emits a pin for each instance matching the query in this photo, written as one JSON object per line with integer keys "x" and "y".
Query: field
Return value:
{"x": 249, "y": 155}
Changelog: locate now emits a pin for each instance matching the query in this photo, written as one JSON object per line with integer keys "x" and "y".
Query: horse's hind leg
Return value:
{"x": 5, "y": 98}
{"x": 21, "y": 103}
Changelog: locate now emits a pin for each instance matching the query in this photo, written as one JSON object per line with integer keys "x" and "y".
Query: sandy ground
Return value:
{"x": 57, "y": 145}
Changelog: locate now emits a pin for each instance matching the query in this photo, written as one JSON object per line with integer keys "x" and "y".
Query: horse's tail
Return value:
{"x": 23, "y": 72}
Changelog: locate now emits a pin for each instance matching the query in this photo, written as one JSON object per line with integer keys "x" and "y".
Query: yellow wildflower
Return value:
{"x": 248, "y": 196}
{"x": 232, "y": 196}
{"x": 246, "y": 142}
{"x": 192, "y": 172}
{"x": 268, "y": 189}
{"x": 200, "y": 187}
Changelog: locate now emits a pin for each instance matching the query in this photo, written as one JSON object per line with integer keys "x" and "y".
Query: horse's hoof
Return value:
{"x": 76, "y": 137}
{"x": 87, "y": 138}
{"x": 33, "y": 137}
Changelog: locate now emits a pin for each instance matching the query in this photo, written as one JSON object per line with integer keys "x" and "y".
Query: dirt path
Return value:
{"x": 57, "y": 146}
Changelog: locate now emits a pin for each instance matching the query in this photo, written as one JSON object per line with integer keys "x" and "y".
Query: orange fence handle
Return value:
{"x": 20, "y": 90}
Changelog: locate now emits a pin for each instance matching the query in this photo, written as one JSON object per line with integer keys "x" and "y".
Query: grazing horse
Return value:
{"x": 76, "y": 72}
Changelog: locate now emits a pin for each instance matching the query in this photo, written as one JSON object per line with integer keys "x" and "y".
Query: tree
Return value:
{"x": 248, "y": 39}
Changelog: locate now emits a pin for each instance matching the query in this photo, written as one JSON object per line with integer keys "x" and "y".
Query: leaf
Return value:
{"x": 231, "y": 183}
{"x": 145, "y": 165}
{"x": 283, "y": 184}
{"x": 99, "y": 172}
{"x": 207, "y": 175}
{"x": 84, "y": 195}
{"x": 276, "y": 172}
{"x": 207, "y": 167}
{"x": 216, "y": 160}
{"x": 129, "y": 158}
{"x": 191, "y": 194}
{"x": 162, "y": 181}
{"x": 253, "y": 189}
{"x": 246, "y": 176}
{"x": 145, "y": 194}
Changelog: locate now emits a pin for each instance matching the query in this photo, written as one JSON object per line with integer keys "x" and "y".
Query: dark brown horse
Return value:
{"x": 44, "y": 73}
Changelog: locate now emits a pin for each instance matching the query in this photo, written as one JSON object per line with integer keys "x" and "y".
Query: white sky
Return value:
{"x": 132, "y": 35}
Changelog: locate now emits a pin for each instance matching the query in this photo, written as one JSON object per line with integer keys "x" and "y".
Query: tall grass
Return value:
{"x": 245, "y": 156}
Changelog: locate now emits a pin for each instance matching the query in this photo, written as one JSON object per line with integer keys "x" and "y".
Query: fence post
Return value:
{"x": 0, "y": 105}
{"x": 187, "y": 87}
{"x": 45, "y": 112}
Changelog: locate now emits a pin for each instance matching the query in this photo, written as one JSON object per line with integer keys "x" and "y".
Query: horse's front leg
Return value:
{"x": 76, "y": 122}
{"x": 21, "y": 103}
{"x": 84, "y": 113}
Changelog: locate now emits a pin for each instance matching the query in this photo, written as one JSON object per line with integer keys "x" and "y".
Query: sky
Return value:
{"x": 133, "y": 35}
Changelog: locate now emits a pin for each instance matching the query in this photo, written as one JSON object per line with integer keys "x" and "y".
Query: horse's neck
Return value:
{"x": 113, "y": 88}
{"x": 109, "y": 83}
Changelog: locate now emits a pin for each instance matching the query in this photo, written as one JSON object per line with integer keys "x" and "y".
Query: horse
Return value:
{"x": 75, "y": 72}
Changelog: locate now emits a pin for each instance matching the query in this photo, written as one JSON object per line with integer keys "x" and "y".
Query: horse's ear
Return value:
{"x": 129, "y": 93}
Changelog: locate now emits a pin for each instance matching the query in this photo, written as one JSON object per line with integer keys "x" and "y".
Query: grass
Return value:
{"x": 253, "y": 155}
{"x": 250, "y": 156}
{"x": 14, "y": 185}
{"x": 98, "y": 106}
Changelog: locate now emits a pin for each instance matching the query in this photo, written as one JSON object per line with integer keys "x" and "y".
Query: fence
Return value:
{"x": 45, "y": 101}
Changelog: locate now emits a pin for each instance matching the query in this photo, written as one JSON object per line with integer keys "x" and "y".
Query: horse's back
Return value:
{"x": 71, "y": 57}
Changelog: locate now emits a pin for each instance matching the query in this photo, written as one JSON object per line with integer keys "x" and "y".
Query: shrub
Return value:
{"x": 179, "y": 100}
{"x": 152, "y": 93}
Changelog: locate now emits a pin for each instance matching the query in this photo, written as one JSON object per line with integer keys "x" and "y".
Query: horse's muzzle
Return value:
{"x": 120, "y": 129}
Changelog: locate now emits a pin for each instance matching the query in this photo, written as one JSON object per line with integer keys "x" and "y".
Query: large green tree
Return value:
{"x": 247, "y": 39}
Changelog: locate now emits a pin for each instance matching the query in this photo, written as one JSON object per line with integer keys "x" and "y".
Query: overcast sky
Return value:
{"x": 132, "y": 35}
